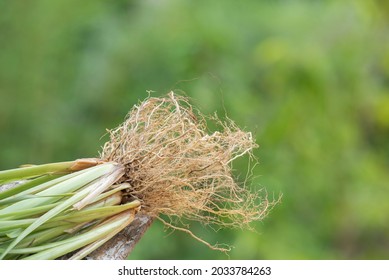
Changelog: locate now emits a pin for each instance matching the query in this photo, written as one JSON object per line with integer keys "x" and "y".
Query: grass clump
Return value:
{"x": 161, "y": 160}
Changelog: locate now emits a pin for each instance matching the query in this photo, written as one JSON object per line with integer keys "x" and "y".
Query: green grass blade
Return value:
{"x": 43, "y": 236}
{"x": 90, "y": 175}
{"x": 15, "y": 233}
{"x": 93, "y": 246}
{"x": 91, "y": 214}
{"x": 116, "y": 224}
{"x": 27, "y": 185}
{"x": 25, "y": 213}
{"x": 71, "y": 183}
{"x": 30, "y": 193}
{"x": 11, "y": 225}
{"x": 33, "y": 171}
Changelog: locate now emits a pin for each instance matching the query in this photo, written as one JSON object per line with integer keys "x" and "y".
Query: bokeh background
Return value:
{"x": 309, "y": 78}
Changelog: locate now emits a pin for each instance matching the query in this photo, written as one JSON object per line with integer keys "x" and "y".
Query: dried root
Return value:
{"x": 178, "y": 169}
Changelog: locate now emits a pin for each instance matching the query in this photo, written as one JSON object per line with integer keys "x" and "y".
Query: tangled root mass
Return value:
{"x": 177, "y": 168}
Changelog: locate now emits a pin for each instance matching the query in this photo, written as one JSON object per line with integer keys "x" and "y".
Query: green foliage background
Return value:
{"x": 309, "y": 78}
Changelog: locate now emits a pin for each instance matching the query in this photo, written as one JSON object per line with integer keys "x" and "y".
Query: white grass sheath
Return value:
{"x": 100, "y": 186}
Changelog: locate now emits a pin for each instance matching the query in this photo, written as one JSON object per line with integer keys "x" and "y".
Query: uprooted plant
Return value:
{"x": 161, "y": 160}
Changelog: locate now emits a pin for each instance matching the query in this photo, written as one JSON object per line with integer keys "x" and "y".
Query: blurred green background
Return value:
{"x": 309, "y": 78}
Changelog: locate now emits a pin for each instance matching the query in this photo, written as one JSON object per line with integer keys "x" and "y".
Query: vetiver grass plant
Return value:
{"x": 161, "y": 161}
